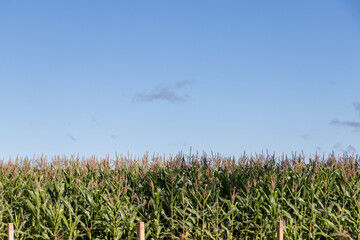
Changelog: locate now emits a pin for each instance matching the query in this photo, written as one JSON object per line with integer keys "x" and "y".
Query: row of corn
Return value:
{"x": 181, "y": 197}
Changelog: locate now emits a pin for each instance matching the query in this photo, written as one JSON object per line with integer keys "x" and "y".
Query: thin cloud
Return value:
{"x": 71, "y": 137}
{"x": 352, "y": 124}
{"x": 183, "y": 83}
{"x": 168, "y": 93}
{"x": 164, "y": 94}
{"x": 337, "y": 146}
{"x": 357, "y": 107}
{"x": 349, "y": 150}
{"x": 305, "y": 136}
{"x": 94, "y": 120}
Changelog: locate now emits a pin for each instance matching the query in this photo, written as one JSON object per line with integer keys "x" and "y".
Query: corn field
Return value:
{"x": 181, "y": 197}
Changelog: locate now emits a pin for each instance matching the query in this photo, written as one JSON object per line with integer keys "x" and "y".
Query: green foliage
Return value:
{"x": 181, "y": 197}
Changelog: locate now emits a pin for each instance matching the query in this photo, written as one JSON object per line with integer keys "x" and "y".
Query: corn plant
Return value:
{"x": 181, "y": 197}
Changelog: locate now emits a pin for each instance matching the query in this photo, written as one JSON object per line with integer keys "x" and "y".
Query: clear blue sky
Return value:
{"x": 98, "y": 77}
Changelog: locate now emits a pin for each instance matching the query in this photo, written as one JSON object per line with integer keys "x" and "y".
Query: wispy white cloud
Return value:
{"x": 353, "y": 124}
{"x": 167, "y": 93}
{"x": 337, "y": 145}
{"x": 71, "y": 137}
{"x": 183, "y": 83}
{"x": 357, "y": 107}
{"x": 305, "y": 136}
{"x": 349, "y": 150}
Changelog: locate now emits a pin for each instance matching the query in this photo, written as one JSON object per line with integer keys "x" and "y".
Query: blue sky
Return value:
{"x": 99, "y": 77}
